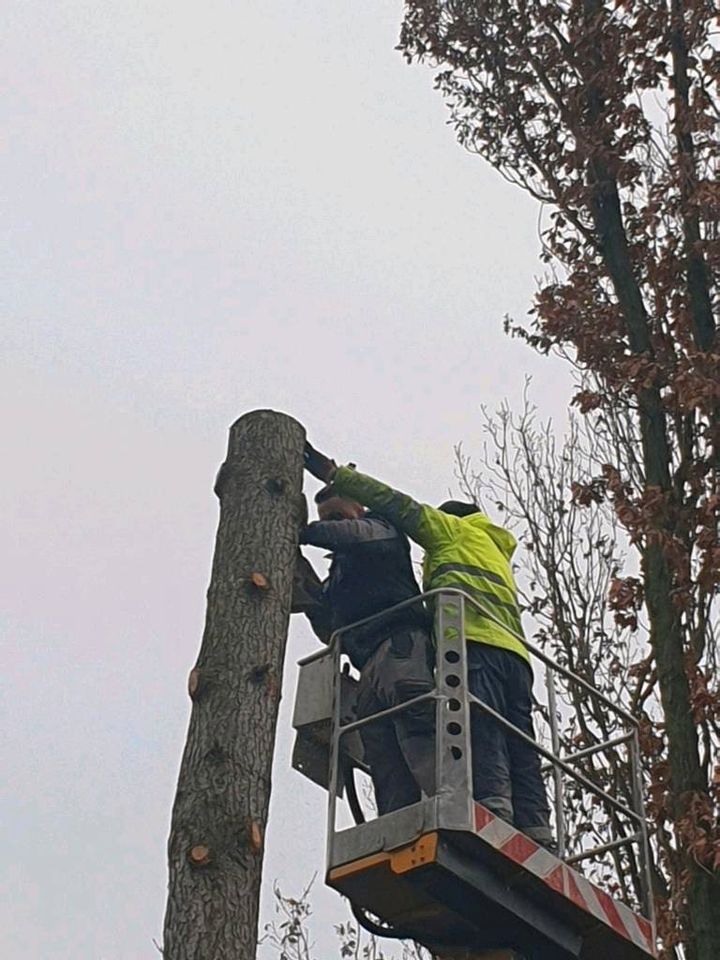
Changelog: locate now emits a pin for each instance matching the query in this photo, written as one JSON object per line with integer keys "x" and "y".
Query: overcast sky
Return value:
{"x": 208, "y": 208}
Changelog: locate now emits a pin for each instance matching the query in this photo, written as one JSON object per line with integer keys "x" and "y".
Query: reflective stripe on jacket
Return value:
{"x": 469, "y": 553}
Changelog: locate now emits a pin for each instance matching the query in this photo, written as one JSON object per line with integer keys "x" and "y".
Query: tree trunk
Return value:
{"x": 215, "y": 848}
{"x": 666, "y": 632}
{"x": 698, "y": 276}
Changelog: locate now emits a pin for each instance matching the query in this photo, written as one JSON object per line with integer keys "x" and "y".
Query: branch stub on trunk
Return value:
{"x": 194, "y": 683}
{"x": 199, "y": 855}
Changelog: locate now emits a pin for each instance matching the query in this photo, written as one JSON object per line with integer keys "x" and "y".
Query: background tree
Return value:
{"x": 606, "y": 111}
{"x": 215, "y": 849}
{"x": 567, "y": 573}
{"x": 289, "y": 934}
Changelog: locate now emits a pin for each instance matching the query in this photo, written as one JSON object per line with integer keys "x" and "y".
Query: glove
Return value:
{"x": 318, "y": 464}
{"x": 307, "y": 592}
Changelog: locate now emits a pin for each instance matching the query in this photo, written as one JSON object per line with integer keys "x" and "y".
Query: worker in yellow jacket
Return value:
{"x": 466, "y": 550}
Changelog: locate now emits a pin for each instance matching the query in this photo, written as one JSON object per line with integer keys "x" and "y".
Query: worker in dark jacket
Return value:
{"x": 465, "y": 550}
{"x": 370, "y": 572}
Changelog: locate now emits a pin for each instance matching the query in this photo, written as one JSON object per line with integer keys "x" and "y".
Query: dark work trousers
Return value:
{"x": 506, "y": 770}
{"x": 400, "y": 749}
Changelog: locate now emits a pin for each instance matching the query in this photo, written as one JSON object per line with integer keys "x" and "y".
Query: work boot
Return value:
{"x": 542, "y": 836}
{"x": 449, "y": 954}
{"x": 501, "y": 806}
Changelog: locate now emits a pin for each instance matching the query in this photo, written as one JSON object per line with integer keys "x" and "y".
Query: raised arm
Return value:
{"x": 422, "y": 523}
{"x": 337, "y": 534}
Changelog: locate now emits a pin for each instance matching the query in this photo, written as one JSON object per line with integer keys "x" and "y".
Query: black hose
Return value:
{"x": 376, "y": 929}
{"x": 348, "y": 769}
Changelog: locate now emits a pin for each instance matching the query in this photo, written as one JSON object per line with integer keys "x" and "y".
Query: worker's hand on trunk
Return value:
{"x": 318, "y": 464}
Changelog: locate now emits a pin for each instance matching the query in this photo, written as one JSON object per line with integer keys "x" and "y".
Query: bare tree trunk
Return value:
{"x": 215, "y": 848}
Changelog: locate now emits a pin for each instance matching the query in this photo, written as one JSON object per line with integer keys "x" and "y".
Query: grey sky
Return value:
{"x": 208, "y": 209}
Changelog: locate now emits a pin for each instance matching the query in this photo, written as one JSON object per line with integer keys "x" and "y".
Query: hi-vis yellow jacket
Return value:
{"x": 469, "y": 553}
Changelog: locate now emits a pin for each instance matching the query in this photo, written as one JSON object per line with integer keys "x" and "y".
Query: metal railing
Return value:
{"x": 451, "y": 695}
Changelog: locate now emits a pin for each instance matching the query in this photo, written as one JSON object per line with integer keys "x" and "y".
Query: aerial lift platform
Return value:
{"x": 448, "y": 873}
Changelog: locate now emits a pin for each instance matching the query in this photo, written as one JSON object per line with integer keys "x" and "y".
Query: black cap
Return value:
{"x": 324, "y": 493}
{"x": 459, "y": 508}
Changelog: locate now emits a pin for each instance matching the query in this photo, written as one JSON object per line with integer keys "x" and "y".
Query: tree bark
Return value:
{"x": 215, "y": 849}
{"x": 666, "y": 631}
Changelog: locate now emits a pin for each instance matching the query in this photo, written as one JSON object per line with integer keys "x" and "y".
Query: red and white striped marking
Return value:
{"x": 562, "y": 878}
